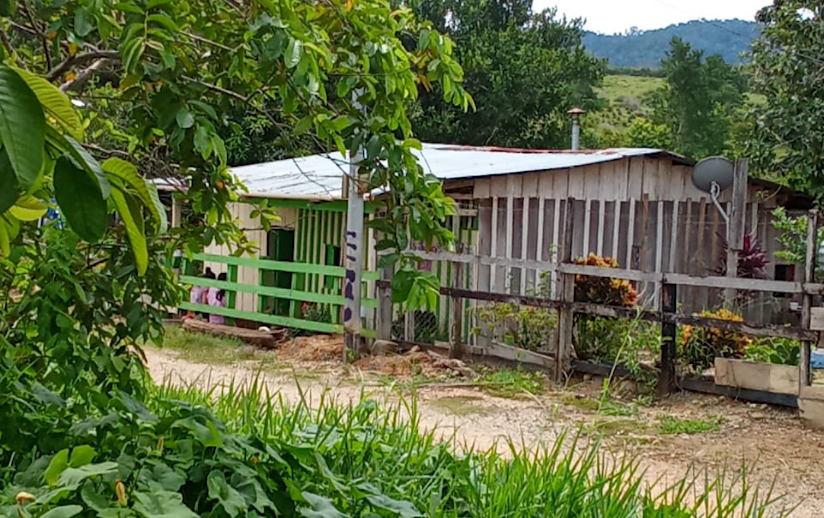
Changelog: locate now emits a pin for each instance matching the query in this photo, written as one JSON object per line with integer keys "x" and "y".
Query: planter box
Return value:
{"x": 780, "y": 379}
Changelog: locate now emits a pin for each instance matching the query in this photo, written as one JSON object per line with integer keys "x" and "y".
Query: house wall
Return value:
{"x": 645, "y": 212}
{"x": 252, "y": 227}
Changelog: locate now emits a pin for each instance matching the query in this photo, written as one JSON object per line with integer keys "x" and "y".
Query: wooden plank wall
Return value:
{"x": 245, "y": 275}
{"x": 643, "y": 211}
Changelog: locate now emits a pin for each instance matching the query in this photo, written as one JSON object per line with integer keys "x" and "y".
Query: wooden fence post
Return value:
{"x": 385, "y": 312}
{"x": 735, "y": 226}
{"x": 666, "y": 376}
{"x": 806, "y": 299}
{"x": 566, "y": 283}
{"x": 456, "y": 318}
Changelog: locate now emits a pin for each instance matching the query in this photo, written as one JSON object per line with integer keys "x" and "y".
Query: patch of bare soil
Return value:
{"x": 772, "y": 441}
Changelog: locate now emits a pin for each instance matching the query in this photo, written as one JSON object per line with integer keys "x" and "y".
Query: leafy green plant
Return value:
{"x": 780, "y": 351}
{"x": 700, "y": 346}
{"x": 792, "y": 236}
{"x": 511, "y": 383}
{"x": 526, "y": 327}
{"x": 671, "y": 425}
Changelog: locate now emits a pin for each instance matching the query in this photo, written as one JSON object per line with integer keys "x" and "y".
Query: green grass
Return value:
{"x": 671, "y": 425}
{"x": 386, "y": 448}
{"x": 510, "y": 383}
{"x": 461, "y": 406}
{"x": 629, "y": 91}
{"x": 214, "y": 350}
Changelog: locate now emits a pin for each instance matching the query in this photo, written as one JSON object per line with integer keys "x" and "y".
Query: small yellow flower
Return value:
{"x": 23, "y": 497}
{"x": 120, "y": 489}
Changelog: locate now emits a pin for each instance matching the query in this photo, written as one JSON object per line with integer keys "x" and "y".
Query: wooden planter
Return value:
{"x": 780, "y": 379}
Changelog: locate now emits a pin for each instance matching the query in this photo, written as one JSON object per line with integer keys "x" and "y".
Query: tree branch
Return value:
{"x": 7, "y": 45}
{"x": 77, "y": 84}
{"x": 40, "y": 34}
{"x": 217, "y": 89}
{"x": 80, "y": 59}
{"x": 108, "y": 152}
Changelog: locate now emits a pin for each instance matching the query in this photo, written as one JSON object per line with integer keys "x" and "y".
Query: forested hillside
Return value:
{"x": 729, "y": 39}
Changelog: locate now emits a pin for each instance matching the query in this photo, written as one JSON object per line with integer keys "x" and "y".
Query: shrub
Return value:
{"x": 603, "y": 290}
{"x": 780, "y": 351}
{"x": 752, "y": 260}
{"x": 520, "y": 326}
{"x": 700, "y": 346}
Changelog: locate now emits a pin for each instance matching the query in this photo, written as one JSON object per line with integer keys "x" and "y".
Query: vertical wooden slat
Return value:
{"x": 601, "y": 223}
{"x": 587, "y": 218}
{"x": 493, "y": 270}
{"x": 673, "y": 249}
{"x": 616, "y": 229}
{"x": 630, "y": 233}
{"x": 510, "y": 217}
{"x": 563, "y": 346}
{"x": 736, "y": 225}
{"x": 456, "y": 329}
{"x": 524, "y": 241}
{"x": 806, "y": 301}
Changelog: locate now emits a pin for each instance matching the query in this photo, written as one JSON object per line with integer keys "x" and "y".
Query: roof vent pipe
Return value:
{"x": 576, "y": 113}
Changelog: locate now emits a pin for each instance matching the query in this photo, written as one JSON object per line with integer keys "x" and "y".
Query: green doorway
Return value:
{"x": 280, "y": 246}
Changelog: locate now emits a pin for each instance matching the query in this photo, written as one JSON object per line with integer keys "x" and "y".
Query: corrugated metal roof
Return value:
{"x": 320, "y": 176}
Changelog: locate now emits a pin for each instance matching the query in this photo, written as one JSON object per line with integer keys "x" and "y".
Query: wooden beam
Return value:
{"x": 456, "y": 349}
{"x": 805, "y": 377}
{"x": 384, "y": 294}
{"x": 494, "y": 242}
{"x": 669, "y": 331}
{"x": 482, "y": 260}
{"x": 767, "y": 330}
{"x": 524, "y": 240}
{"x": 563, "y": 346}
{"x": 735, "y": 226}
{"x": 615, "y": 273}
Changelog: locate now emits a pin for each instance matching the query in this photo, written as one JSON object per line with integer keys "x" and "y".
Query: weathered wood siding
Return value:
{"x": 245, "y": 275}
{"x": 645, "y": 212}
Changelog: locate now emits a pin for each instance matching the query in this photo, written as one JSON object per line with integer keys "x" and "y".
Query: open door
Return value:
{"x": 280, "y": 246}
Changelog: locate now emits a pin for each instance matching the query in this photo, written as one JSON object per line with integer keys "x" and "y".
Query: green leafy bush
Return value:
{"x": 780, "y": 351}
{"x": 700, "y": 346}
{"x": 526, "y": 327}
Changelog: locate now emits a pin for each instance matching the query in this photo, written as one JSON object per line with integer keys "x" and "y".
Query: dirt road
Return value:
{"x": 774, "y": 440}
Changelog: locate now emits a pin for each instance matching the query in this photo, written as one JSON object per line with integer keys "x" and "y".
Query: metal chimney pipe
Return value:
{"x": 576, "y": 113}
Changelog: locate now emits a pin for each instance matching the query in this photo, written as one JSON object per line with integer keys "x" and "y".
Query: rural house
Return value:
{"x": 637, "y": 205}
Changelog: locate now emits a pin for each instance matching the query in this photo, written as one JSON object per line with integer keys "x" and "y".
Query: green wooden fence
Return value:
{"x": 232, "y": 287}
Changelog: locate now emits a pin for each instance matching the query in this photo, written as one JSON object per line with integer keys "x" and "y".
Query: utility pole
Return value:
{"x": 353, "y": 187}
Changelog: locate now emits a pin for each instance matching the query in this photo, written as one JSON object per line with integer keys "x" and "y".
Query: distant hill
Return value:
{"x": 729, "y": 38}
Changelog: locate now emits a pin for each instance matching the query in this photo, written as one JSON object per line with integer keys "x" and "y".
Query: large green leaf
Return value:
{"x": 80, "y": 157}
{"x": 7, "y": 7}
{"x": 28, "y": 208}
{"x": 5, "y": 242}
{"x": 161, "y": 504}
{"x": 57, "y": 466}
{"x": 220, "y": 490}
{"x": 64, "y": 511}
{"x": 80, "y": 200}
{"x": 81, "y": 455}
{"x": 129, "y": 210}
{"x": 22, "y": 126}
{"x": 55, "y": 103}
{"x": 126, "y": 173}
{"x": 322, "y": 507}
{"x": 9, "y": 189}
{"x": 74, "y": 476}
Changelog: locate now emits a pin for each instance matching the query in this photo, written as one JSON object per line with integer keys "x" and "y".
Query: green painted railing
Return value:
{"x": 232, "y": 287}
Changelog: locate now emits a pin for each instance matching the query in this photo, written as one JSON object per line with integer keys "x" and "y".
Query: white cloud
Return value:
{"x": 610, "y": 16}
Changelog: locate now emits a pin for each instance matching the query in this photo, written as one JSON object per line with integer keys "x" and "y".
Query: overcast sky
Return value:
{"x": 610, "y": 16}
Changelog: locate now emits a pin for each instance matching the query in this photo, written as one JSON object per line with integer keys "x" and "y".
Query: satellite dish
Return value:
{"x": 715, "y": 169}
